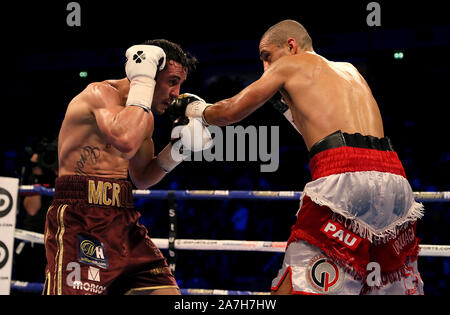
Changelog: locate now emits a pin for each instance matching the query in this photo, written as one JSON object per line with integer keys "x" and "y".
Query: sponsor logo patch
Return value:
{"x": 92, "y": 252}
{"x": 90, "y": 288}
{"x": 94, "y": 274}
{"x": 324, "y": 275}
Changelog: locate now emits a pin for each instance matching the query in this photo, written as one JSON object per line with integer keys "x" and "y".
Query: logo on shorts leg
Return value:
{"x": 324, "y": 275}
{"x": 92, "y": 252}
{"x": 94, "y": 274}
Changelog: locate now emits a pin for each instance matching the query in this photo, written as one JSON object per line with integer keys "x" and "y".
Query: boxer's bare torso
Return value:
{"x": 101, "y": 136}
{"x": 83, "y": 149}
{"x": 323, "y": 96}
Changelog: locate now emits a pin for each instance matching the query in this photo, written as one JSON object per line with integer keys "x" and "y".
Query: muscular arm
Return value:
{"x": 124, "y": 127}
{"x": 235, "y": 109}
{"x": 144, "y": 169}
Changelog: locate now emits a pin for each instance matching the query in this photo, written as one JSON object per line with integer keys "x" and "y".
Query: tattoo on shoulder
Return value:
{"x": 88, "y": 154}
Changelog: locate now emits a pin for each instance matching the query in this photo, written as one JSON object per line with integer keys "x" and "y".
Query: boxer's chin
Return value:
{"x": 160, "y": 108}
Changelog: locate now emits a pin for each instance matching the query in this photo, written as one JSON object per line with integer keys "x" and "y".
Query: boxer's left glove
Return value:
{"x": 143, "y": 63}
{"x": 188, "y": 135}
{"x": 189, "y": 105}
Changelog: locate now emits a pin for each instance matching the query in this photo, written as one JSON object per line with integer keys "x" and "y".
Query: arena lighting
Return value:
{"x": 398, "y": 55}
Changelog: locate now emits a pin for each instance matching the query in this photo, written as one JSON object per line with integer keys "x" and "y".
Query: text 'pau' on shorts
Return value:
{"x": 358, "y": 209}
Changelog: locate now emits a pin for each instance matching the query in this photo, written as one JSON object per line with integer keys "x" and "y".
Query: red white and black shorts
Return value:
{"x": 356, "y": 227}
{"x": 94, "y": 243}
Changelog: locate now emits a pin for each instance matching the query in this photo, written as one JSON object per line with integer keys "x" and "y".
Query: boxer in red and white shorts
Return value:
{"x": 356, "y": 227}
{"x": 355, "y": 231}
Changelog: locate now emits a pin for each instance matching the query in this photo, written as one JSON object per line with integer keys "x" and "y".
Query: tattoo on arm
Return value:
{"x": 88, "y": 154}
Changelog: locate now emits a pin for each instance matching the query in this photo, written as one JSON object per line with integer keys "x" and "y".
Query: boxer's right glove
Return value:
{"x": 143, "y": 62}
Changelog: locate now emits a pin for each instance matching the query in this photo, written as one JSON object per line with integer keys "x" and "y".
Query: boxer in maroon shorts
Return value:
{"x": 94, "y": 243}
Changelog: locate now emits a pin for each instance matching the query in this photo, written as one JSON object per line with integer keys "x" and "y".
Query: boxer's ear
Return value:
{"x": 292, "y": 46}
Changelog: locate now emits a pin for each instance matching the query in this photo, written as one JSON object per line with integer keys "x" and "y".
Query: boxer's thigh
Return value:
{"x": 147, "y": 271}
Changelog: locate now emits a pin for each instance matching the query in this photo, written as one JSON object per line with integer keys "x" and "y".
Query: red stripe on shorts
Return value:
{"x": 352, "y": 159}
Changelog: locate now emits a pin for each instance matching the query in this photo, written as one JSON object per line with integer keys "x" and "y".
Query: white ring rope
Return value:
{"x": 231, "y": 245}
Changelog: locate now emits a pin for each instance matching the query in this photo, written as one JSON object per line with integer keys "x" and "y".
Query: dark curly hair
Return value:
{"x": 175, "y": 52}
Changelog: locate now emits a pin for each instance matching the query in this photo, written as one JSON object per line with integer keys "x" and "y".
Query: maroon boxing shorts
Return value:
{"x": 95, "y": 244}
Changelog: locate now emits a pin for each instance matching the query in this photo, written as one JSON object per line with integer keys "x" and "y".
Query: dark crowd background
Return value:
{"x": 42, "y": 58}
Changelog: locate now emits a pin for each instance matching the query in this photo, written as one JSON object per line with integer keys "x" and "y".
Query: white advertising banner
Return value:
{"x": 9, "y": 188}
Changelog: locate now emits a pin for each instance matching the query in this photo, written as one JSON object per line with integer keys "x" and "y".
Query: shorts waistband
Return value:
{"x": 357, "y": 140}
{"x": 97, "y": 191}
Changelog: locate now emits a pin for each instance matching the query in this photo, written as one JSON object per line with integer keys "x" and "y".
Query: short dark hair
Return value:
{"x": 279, "y": 33}
{"x": 174, "y": 52}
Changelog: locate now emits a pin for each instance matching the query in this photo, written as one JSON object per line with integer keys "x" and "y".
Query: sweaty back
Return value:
{"x": 326, "y": 96}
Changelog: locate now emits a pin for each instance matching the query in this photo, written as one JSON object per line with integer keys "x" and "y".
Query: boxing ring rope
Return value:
{"x": 428, "y": 196}
{"x": 213, "y": 245}
{"x": 231, "y": 245}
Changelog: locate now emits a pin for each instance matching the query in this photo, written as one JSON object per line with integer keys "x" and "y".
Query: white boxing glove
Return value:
{"x": 143, "y": 62}
{"x": 195, "y": 136}
{"x": 188, "y": 138}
